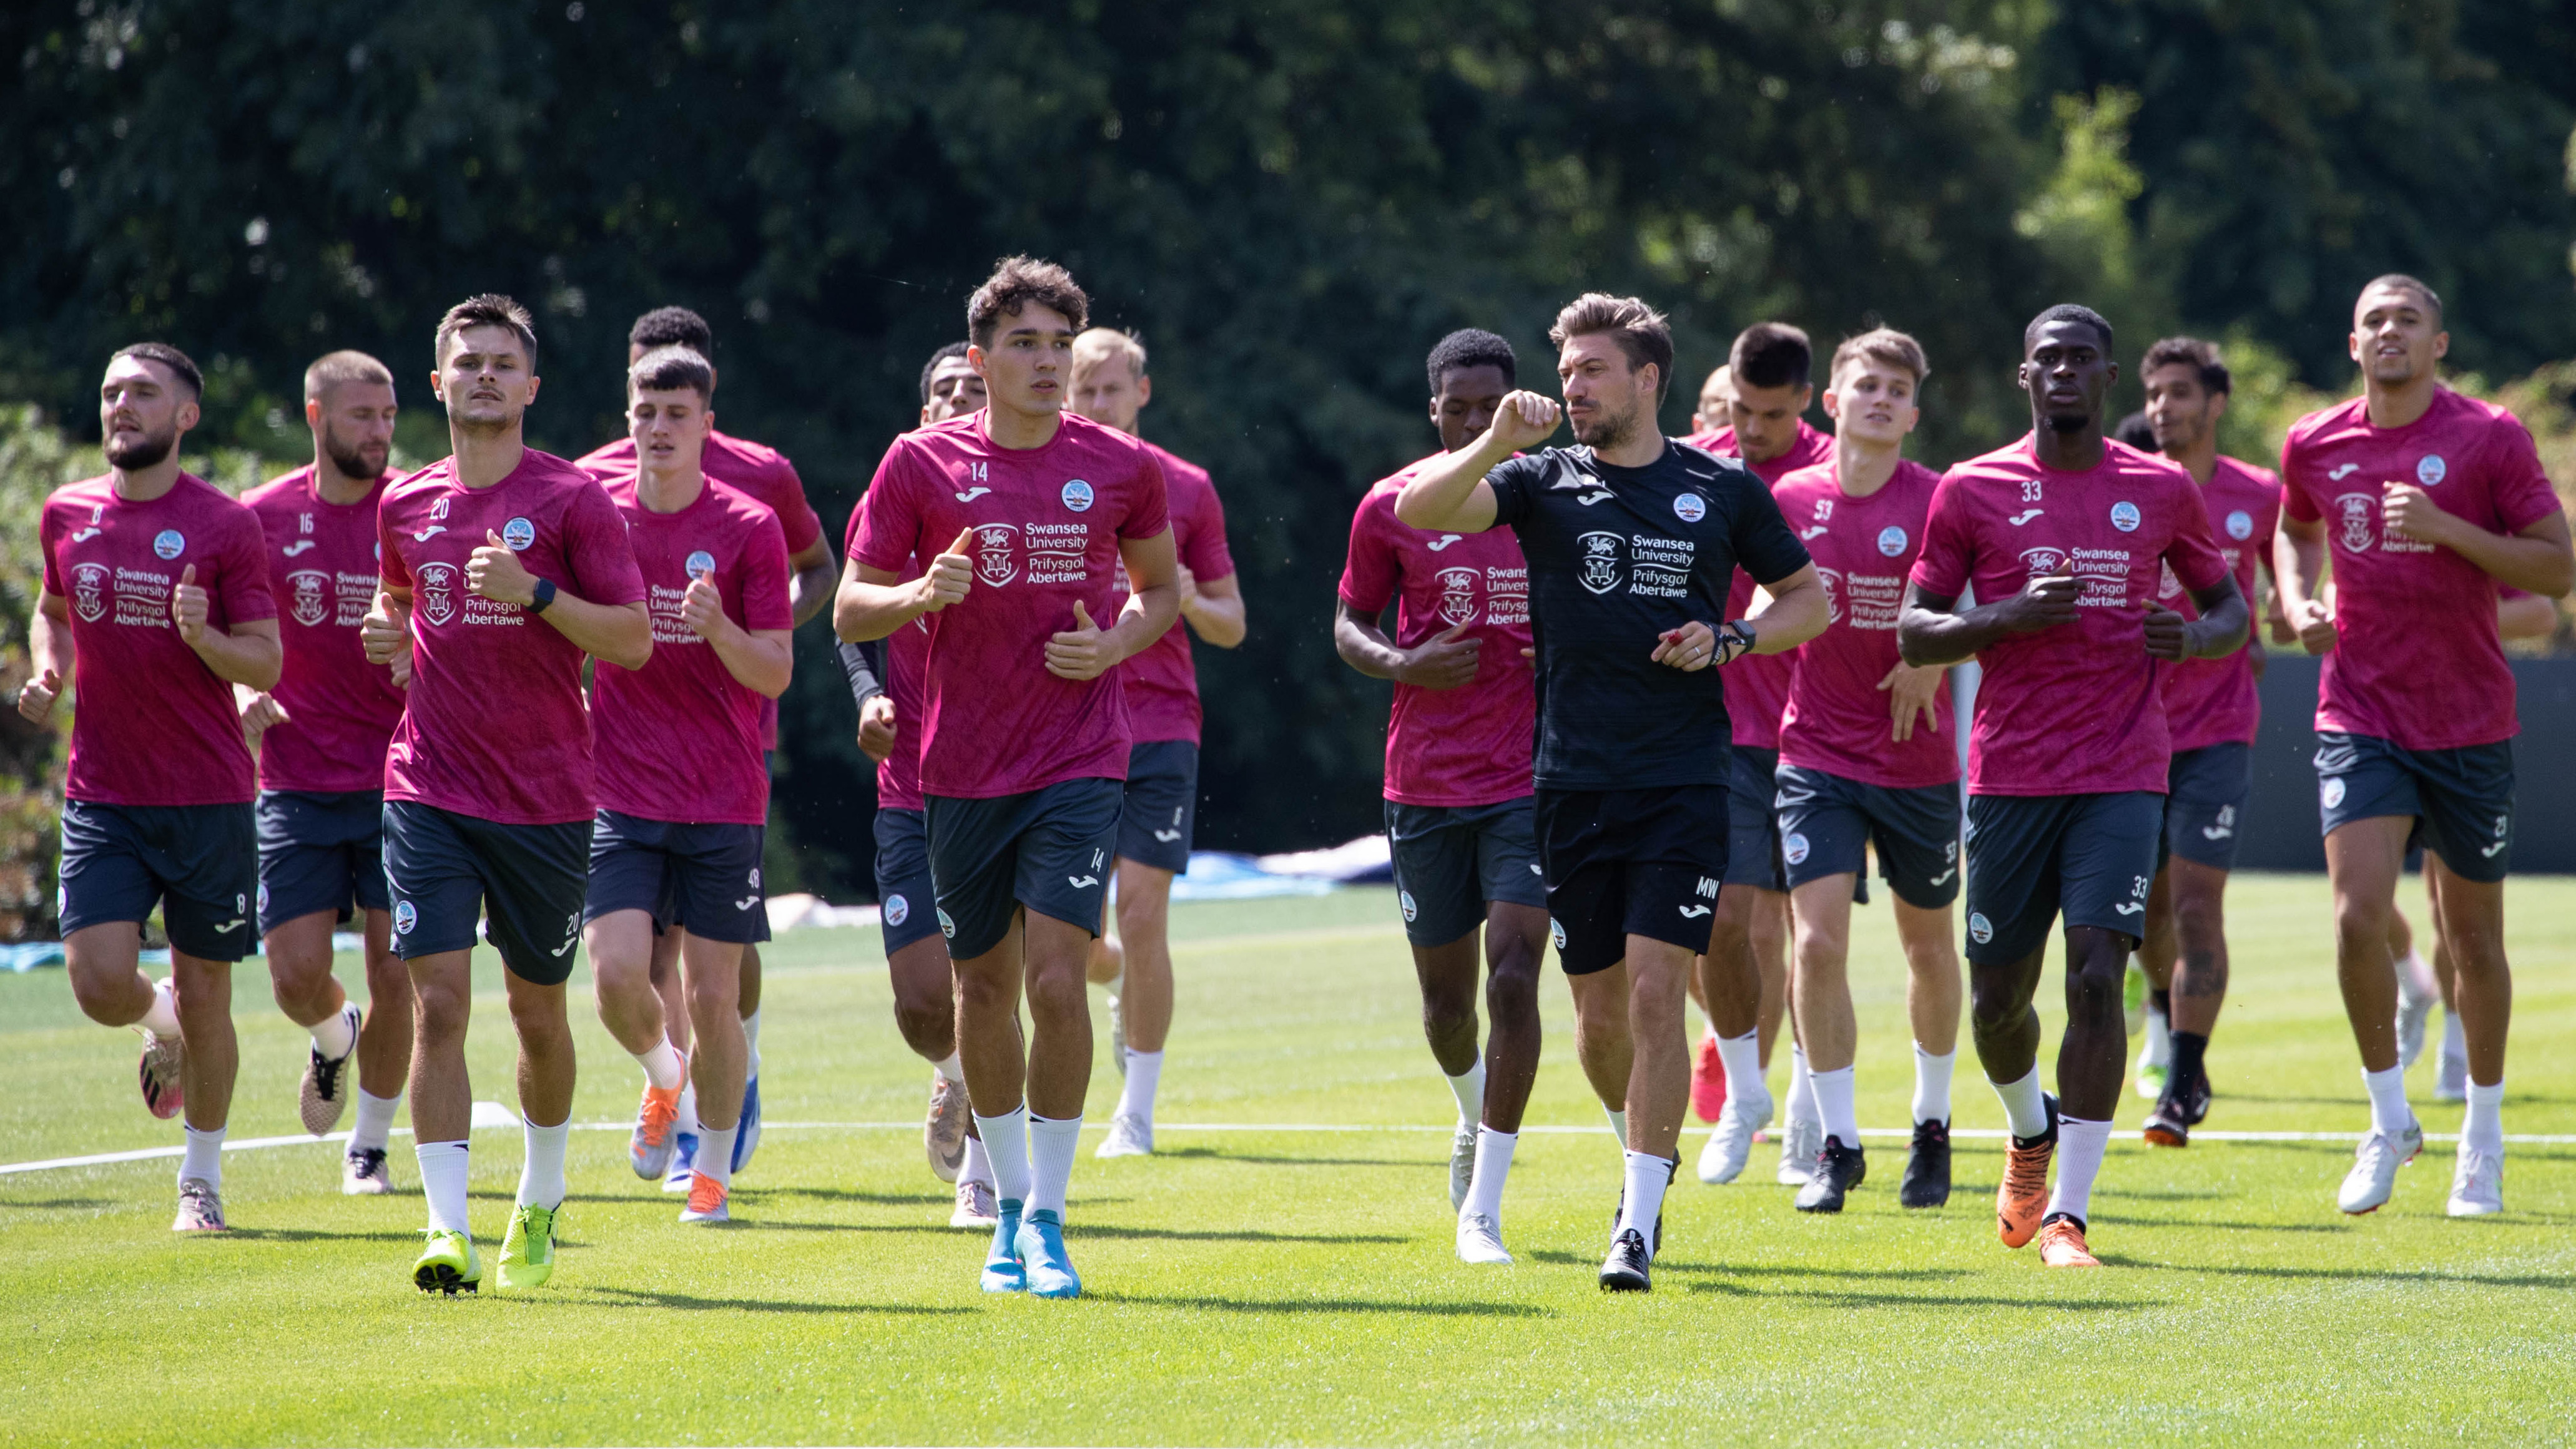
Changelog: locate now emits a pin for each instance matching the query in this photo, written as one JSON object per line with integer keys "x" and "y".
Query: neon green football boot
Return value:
{"x": 448, "y": 1264}
{"x": 528, "y": 1253}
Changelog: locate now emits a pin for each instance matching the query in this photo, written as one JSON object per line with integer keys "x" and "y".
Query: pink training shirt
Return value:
{"x": 496, "y": 727}
{"x": 1162, "y": 684}
{"x": 1839, "y": 720}
{"x": 2214, "y": 701}
{"x": 679, "y": 739}
{"x": 907, "y": 654}
{"x": 340, "y": 710}
{"x": 153, "y": 725}
{"x": 1757, "y": 686}
{"x": 2417, "y": 661}
{"x": 1449, "y": 747}
{"x": 2076, "y": 709}
{"x": 1045, "y": 526}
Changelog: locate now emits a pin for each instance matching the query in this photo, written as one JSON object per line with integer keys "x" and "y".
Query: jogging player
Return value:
{"x": 2429, "y": 501}
{"x": 1110, "y": 387}
{"x": 321, "y": 737}
{"x": 2067, "y": 534}
{"x": 683, "y": 791}
{"x": 1024, "y": 742}
{"x": 1631, "y": 541}
{"x": 1868, "y": 757}
{"x": 1458, "y": 816}
{"x": 765, "y": 476}
{"x": 155, "y": 604}
{"x": 503, "y": 566}
{"x": 2212, "y": 709}
{"x": 1769, "y": 373}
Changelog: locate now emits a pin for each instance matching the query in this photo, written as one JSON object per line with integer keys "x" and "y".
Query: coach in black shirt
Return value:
{"x": 1632, "y": 541}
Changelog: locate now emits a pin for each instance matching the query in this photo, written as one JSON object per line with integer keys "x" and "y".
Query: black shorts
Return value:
{"x": 1753, "y": 827}
{"x": 199, "y": 863}
{"x": 528, "y": 880}
{"x": 906, "y": 909}
{"x": 2464, "y": 797}
{"x": 2031, "y": 858}
{"x": 1161, "y": 804}
{"x": 1827, "y": 823}
{"x": 1621, "y": 863}
{"x": 2205, "y": 795}
{"x": 1452, "y": 861}
{"x": 705, "y": 878}
{"x": 320, "y": 852}
{"x": 1047, "y": 849}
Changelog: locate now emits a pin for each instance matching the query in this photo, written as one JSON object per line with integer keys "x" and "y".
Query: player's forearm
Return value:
{"x": 622, "y": 634}
{"x": 1363, "y": 646}
{"x": 1216, "y": 619}
{"x": 1437, "y": 495}
{"x": 760, "y": 663}
{"x": 862, "y": 611}
{"x": 2540, "y": 566}
{"x": 810, "y": 589}
{"x": 1149, "y": 612}
{"x": 244, "y": 658}
{"x": 49, "y": 645}
{"x": 2221, "y": 629}
{"x": 2298, "y": 565}
{"x": 1936, "y": 636}
{"x": 2526, "y": 617}
{"x": 1795, "y": 615}
{"x": 866, "y": 676}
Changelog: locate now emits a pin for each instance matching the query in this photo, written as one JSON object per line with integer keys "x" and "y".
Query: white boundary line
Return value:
{"x": 250, "y": 1144}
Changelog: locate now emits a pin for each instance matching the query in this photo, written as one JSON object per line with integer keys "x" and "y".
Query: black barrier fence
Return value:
{"x": 2279, "y": 831}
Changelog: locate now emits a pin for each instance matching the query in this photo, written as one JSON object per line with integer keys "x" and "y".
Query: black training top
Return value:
{"x": 1616, "y": 557}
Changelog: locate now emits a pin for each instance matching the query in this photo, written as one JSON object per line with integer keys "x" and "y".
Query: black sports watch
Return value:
{"x": 1734, "y": 641}
{"x": 545, "y": 596}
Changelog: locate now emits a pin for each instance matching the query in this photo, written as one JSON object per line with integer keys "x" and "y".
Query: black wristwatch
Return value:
{"x": 545, "y": 596}
{"x": 1734, "y": 641}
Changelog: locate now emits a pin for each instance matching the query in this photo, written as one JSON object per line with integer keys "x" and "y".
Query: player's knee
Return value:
{"x": 439, "y": 1011}
{"x": 1058, "y": 996}
{"x": 104, "y": 999}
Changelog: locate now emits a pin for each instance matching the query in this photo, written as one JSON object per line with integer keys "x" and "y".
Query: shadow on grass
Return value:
{"x": 2356, "y": 1275}
{"x": 1218, "y": 1235}
{"x": 1325, "y": 1305}
{"x": 843, "y": 1194}
{"x": 2221, "y": 1226}
{"x": 1767, "y": 1270}
{"x": 1856, "y": 1298}
{"x": 1215, "y": 1154}
{"x": 65, "y": 1203}
{"x": 315, "y": 1235}
{"x": 2158, "y": 1194}
{"x": 644, "y": 1298}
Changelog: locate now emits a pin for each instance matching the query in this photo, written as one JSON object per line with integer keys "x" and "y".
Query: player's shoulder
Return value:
{"x": 84, "y": 492}
{"x": 412, "y": 486}
{"x": 2327, "y": 424}
{"x": 2137, "y": 463}
{"x": 201, "y": 496}
{"x": 1707, "y": 467}
{"x": 738, "y": 509}
{"x": 2240, "y": 477}
{"x": 961, "y": 436}
{"x": 558, "y": 477}
{"x": 2011, "y": 463}
{"x": 1179, "y": 472}
{"x": 615, "y": 454}
{"x": 285, "y": 491}
{"x": 741, "y": 461}
{"x": 1721, "y": 442}
{"x": 1915, "y": 477}
{"x": 1813, "y": 479}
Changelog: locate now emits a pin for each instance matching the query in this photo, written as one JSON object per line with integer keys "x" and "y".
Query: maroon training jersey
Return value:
{"x": 153, "y": 725}
{"x": 1044, "y": 528}
{"x": 340, "y": 710}
{"x": 1757, "y": 685}
{"x": 1839, "y": 720}
{"x": 495, "y": 726}
{"x": 1469, "y": 745}
{"x": 1162, "y": 684}
{"x": 2214, "y": 701}
{"x": 2417, "y": 660}
{"x": 2076, "y": 709}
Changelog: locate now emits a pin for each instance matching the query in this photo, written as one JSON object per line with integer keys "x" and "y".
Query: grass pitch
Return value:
{"x": 1299, "y": 1286}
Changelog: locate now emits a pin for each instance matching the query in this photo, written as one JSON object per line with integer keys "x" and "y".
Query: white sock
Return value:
{"x": 1469, "y": 1088}
{"x": 979, "y": 1165}
{"x": 1006, "y": 1138}
{"x": 1743, "y": 1058}
{"x": 2159, "y": 1044}
{"x": 334, "y": 1036}
{"x": 1932, "y": 1083}
{"x": 2414, "y": 980}
{"x": 1834, "y": 1104}
{"x": 1802, "y": 1088}
{"x": 2389, "y": 1113}
{"x": 951, "y": 1069}
{"x": 2079, "y": 1158}
{"x": 2483, "y": 1131}
{"x": 442, "y": 1182}
{"x": 2455, "y": 1038}
{"x": 2025, "y": 1107}
{"x": 751, "y": 1040}
{"x": 663, "y": 1068}
{"x": 1618, "y": 1124}
{"x": 541, "y": 1176}
{"x": 205, "y": 1157}
{"x": 375, "y": 1121}
{"x": 1648, "y": 1175}
{"x": 1144, "y": 1074}
{"x": 1053, "y": 1143}
{"x": 686, "y": 1122}
{"x": 714, "y": 1157}
{"x": 161, "y": 1018}
{"x": 1493, "y": 1164}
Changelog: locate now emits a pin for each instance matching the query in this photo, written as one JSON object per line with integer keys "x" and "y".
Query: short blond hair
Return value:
{"x": 1885, "y": 346}
{"x": 332, "y": 369}
{"x": 1099, "y": 344}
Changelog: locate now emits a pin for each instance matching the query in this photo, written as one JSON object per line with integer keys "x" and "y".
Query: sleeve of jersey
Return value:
{"x": 882, "y": 528}
{"x": 800, "y": 523}
{"x": 1151, "y": 513}
{"x": 764, "y": 579}
{"x": 1942, "y": 568}
{"x": 603, "y": 562}
{"x": 1208, "y": 557}
{"x": 2521, "y": 489}
{"x": 243, "y": 571}
{"x": 2193, "y": 553}
{"x": 45, "y": 535}
{"x": 1511, "y": 484}
{"x": 391, "y": 568}
{"x": 1368, "y": 570}
{"x": 1765, "y": 546}
{"x": 2294, "y": 496}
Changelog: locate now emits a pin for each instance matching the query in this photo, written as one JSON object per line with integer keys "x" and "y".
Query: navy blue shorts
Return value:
{"x": 447, "y": 869}
{"x": 1452, "y": 861}
{"x": 321, "y": 852}
{"x": 1161, "y": 808}
{"x": 1753, "y": 827}
{"x": 2206, "y": 791}
{"x": 1828, "y": 822}
{"x": 906, "y": 909}
{"x": 1047, "y": 849}
{"x": 2033, "y": 858}
{"x": 705, "y": 878}
{"x": 2464, "y": 797}
{"x": 1621, "y": 863}
{"x": 198, "y": 863}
